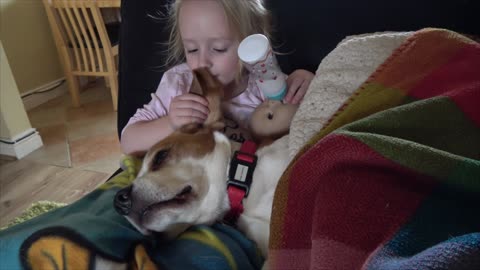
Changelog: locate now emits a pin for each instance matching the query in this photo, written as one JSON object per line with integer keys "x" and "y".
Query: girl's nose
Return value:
{"x": 204, "y": 60}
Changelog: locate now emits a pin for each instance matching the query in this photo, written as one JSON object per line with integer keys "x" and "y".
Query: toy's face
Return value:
{"x": 272, "y": 119}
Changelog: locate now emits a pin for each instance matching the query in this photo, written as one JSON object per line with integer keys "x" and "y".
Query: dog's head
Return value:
{"x": 182, "y": 181}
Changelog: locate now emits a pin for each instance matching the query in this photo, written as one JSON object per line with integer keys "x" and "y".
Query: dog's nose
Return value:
{"x": 123, "y": 201}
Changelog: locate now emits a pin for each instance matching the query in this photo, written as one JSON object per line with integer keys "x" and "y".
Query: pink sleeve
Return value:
{"x": 174, "y": 82}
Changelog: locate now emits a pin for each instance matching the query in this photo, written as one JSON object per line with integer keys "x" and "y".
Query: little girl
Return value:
{"x": 206, "y": 33}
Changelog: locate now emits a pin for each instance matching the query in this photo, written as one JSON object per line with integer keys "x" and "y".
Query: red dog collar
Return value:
{"x": 240, "y": 177}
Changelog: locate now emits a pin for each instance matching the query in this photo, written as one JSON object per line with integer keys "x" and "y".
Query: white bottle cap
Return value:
{"x": 253, "y": 48}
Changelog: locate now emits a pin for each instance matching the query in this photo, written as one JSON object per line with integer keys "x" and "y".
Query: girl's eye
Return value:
{"x": 220, "y": 50}
{"x": 192, "y": 51}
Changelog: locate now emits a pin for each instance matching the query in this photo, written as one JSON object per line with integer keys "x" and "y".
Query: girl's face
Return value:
{"x": 208, "y": 40}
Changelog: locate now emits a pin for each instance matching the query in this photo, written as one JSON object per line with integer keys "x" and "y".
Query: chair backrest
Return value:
{"x": 80, "y": 33}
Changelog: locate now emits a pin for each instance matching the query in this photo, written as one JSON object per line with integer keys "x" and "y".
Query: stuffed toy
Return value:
{"x": 271, "y": 120}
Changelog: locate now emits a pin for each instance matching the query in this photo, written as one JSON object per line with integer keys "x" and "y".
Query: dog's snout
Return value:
{"x": 123, "y": 201}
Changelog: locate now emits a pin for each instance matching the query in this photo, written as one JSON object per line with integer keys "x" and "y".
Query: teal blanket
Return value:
{"x": 89, "y": 234}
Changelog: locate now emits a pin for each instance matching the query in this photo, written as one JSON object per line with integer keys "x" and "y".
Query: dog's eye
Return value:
{"x": 159, "y": 158}
{"x": 270, "y": 116}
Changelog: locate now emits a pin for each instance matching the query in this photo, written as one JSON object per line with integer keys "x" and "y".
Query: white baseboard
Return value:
{"x": 22, "y": 144}
{"x": 36, "y": 97}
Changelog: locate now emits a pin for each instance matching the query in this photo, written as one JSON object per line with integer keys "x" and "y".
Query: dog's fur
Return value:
{"x": 183, "y": 178}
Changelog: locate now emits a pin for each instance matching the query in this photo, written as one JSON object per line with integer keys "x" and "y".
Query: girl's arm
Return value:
{"x": 139, "y": 137}
{"x": 163, "y": 114}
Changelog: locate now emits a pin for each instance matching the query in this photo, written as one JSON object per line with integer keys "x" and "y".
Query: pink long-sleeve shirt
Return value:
{"x": 177, "y": 81}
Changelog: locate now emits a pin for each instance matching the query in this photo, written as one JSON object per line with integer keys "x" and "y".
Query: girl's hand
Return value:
{"x": 297, "y": 84}
{"x": 187, "y": 108}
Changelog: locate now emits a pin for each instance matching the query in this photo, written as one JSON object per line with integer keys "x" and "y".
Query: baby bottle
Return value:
{"x": 257, "y": 55}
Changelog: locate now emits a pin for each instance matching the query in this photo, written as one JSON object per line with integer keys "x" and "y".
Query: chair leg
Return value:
{"x": 113, "y": 81}
{"x": 72, "y": 81}
{"x": 74, "y": 88}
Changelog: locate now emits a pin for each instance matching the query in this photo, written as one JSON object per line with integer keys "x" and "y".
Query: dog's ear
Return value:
{"x": 191, "y": 128}
{"x": 196, "y": 88}
{"x": 205, "y": 84}
{"x": 219, "y": 125}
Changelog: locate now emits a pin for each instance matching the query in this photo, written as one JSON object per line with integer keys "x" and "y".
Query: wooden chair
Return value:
{"x": 83, "y": 43}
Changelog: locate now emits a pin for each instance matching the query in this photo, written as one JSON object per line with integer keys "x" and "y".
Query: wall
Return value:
{"x": 14, "y": 119}
{"x": 29, "y": 44}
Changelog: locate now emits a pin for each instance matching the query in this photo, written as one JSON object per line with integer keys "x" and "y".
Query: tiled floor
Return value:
{"x": 81, "y": 150}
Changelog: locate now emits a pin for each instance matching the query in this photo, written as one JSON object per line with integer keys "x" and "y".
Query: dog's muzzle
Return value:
{"x": 123, "y": 201}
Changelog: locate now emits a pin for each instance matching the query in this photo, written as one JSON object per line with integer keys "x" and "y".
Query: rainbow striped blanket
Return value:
{"x": 392, "y": 181}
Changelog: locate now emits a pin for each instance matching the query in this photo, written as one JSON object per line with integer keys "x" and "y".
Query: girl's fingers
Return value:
{"x": 188, "y": 108}
{"x": 189, "y": 104}
{"x": 299, "y": 94}
{"x": 183, "y": 120}
{"x": 193, "y": 97}
{"x": 190, "y": 112}
{"x": 293, "y": 88}
{"x": 186, "y": 117}
{"x": 298, "y": 82}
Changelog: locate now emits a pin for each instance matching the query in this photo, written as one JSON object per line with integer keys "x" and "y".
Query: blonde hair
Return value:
{"x": 245, "y": 17}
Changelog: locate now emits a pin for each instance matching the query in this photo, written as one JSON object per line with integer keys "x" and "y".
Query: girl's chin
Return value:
{"x": 233, "y": 89}
{"x": 224, "y": 81}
